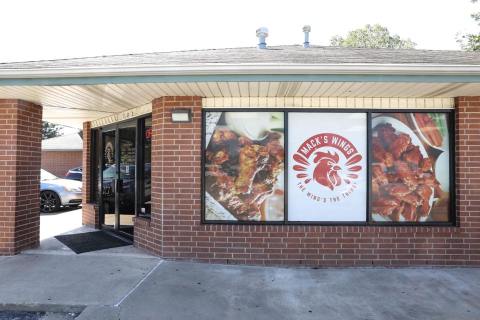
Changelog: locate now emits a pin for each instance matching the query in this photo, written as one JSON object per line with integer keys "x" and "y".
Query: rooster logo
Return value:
{"x": 326, "y": 171}
{"x": 324, "y": 166}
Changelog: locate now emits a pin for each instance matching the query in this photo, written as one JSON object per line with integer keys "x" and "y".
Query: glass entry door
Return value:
{"x": 109, "y": 176}
{"x": 118, "y": 177}
{"x": 126, "y": 181}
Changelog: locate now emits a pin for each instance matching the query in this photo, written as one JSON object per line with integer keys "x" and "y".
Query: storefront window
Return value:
{"x": 358, "y": 167}
{"x": 327, "y": 170}
{"x": 244, "y": 166}
{"x": 410, "y": 167}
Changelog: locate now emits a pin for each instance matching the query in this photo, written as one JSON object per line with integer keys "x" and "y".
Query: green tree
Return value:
{"x": 372, "y": 36}
{"x": 50, "y": 130}
{"x": 471, "y": 41}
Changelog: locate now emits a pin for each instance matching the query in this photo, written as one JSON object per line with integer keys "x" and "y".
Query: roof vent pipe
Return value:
{"x": 306, "y": 30}
{"x": 262, "y": 33}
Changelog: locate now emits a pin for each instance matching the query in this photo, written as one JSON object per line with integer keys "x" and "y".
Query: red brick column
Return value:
{"x": 467, "y": 143}
{"x": 175, "y": 174}
{"x": 176, "y": 231}
{"x": 20, "y": 156}
{"x": 90, "y": 212}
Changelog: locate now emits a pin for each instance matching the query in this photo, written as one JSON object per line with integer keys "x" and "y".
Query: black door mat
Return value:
{"x": 92, "y": 241}
{"x": 37, "y": 315}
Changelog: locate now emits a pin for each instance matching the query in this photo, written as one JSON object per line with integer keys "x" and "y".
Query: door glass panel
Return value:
{"x": 147, "y": 159}
{"x": 109, "y": 175}
{"x": 126, "y": 183}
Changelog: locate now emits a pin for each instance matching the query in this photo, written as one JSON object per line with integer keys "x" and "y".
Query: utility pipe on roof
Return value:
{"x": 306, "y": 31}
{"x": 262, "y": 34}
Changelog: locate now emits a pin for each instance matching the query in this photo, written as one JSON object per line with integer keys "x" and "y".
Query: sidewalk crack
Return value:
{"x": 138, "y": 284}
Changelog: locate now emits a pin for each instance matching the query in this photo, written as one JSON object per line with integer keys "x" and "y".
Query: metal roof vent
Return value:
{"x": 306, "y": 30}
{"x": 262, "y": 33}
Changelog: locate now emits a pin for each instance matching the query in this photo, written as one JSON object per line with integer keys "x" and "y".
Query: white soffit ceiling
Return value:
{"x": 73, "y": 104}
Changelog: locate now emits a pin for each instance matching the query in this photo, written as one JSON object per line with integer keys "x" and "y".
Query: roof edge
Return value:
{"x": 241, "y": 69}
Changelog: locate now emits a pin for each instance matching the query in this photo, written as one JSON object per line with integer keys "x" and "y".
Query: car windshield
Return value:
{"x": 45, "y": 175}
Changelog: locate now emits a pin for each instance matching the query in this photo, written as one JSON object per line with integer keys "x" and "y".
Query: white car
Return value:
{"x": 56, "y": 192}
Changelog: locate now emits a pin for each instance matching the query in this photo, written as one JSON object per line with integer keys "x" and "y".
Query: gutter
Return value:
{"x": 242, "y": 69}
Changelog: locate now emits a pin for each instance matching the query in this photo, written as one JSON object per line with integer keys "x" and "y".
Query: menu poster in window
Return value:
{"x": 410, "y": 167}
{"x": 244, "y": 166}
{"x": 327, "y": 162}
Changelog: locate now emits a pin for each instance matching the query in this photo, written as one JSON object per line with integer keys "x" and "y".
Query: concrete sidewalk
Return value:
{"x": 126, "y": 283}
{"x": 134, "y": 287}
{"x": 199, "y": 291}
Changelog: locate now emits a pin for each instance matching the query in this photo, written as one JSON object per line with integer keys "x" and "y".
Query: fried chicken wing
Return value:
{"x": 402, "y": 187}
{"x": 274, "y": 147}
{"x": 243, "y": 210}
{"x": 399, "y": 145}
{"x": 379, "y": 174}
{"x": 220, "y": 183}
{"x": 241, "y": 173}
{"x": 218, "y": 157}
{"x": 406, "y": 174}
{"x": 412, "y": 199}
{"x": 413, "y": 155}
{"x": 409, "y": 213}
{"x": 379, "y": 153}
{"x": 223, "y": 136}
{"x": 397, "y": 190}
{"x": 397, "y": 212}
{"x": 385, "y": 205}
{"x": 429, "y": 179}
{"x": 386, "y": 133}
{"x": 392, "y": 178}
{"x": 424, "y": 192}
{"x": 375, "y": 188}
{"x": 252, "y": 159}
{"x": 425, "y": 165}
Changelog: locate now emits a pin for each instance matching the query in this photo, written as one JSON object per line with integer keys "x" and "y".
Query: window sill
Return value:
{"x": 144, "y": 221}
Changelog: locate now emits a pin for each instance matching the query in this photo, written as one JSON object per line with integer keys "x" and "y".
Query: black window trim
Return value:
{"x": 368, "y": 111}
{"x": 140, "y": 168}
{"x": 94, "y": 172}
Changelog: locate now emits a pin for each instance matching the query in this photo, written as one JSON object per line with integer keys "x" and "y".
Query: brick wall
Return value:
{"x": 90, "y": 212}
{"x": 20, "y": 153}
{"x": 175, "y": 230}
{"x": 90, "y": 215}
{"x": 59, "y": 162}
{"x": 149, "y": 233}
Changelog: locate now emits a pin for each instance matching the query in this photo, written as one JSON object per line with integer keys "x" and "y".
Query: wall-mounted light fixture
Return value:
{"x": 181, "y": 115}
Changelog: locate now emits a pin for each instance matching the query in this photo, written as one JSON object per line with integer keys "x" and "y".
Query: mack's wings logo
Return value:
{"x": 329, "y": 160}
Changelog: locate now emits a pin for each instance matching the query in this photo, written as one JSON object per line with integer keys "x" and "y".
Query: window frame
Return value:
{"x": 452, "y": 215}
{"x": 140, "y": 168}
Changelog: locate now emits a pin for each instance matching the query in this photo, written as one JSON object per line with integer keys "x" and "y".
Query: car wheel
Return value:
{"x": 49, "y": 201}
